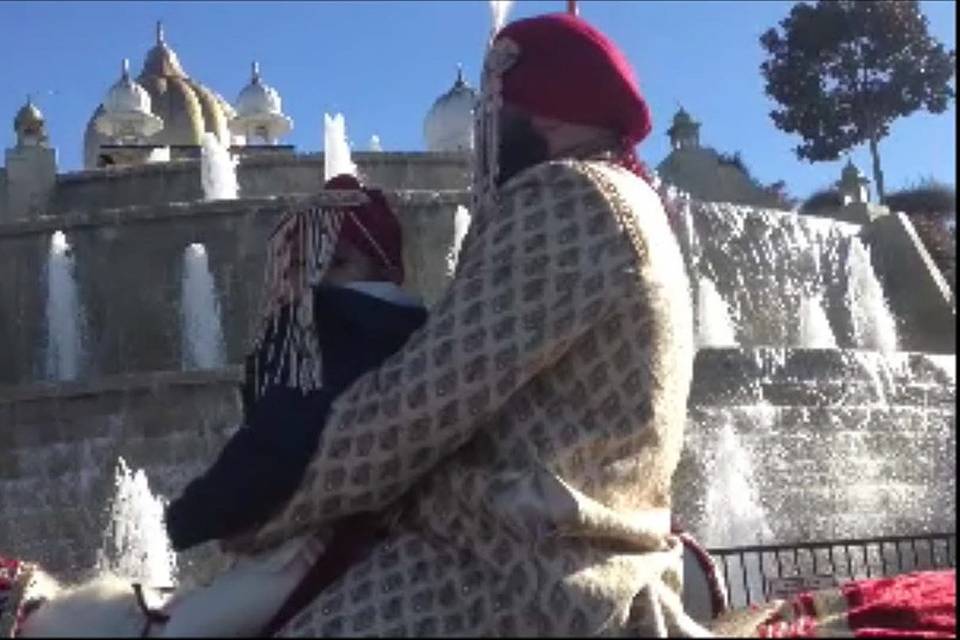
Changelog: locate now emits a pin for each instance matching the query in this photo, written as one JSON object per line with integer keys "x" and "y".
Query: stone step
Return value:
{"x": 822, "y": 377}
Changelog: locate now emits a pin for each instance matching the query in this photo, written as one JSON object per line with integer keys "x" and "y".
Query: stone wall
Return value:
{"x": 128, "y": 266}
{"x": 918, "y": 293}
{"x": 30, "y": 181}
{"x": 257, "y": 175}
{"x": 841, "y": 444}
{"x": 3, "y": 193}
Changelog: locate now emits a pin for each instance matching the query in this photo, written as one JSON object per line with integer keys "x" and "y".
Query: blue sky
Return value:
{"x": 383, "y": 63}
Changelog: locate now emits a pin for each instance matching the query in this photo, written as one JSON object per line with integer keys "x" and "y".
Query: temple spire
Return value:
{"x": 160, "y": 37}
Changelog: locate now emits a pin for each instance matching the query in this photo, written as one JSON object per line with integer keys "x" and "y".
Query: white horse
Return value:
{"x": 109, "y": 606}
{"x": 104, "y": 607}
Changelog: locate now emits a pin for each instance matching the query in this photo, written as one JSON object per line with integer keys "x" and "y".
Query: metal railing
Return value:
{"x": 758, "y": 573}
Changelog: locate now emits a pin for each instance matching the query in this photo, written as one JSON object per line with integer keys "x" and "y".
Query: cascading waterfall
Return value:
{"x": 946, "y": 364}
{"x": 135, "y": 544}
{"x": 780, "y": 274}
{"x": 336, "y": 148}
{"x": 714, "y": 326}
{"x": 815, "y": 331}
{"x": 65, "y": 317}
{"x": 202, "y": 334}
{"x": 780, "y": 269}
{"x": 874, "y": 327}
{"x": 218, "y": 170}
{"x": 766, "y": 261}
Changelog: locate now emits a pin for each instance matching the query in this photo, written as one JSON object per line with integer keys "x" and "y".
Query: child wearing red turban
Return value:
{"x": 360, "y": 317}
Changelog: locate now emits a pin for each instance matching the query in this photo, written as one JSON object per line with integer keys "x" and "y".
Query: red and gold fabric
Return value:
{"x": 914, "y": 605}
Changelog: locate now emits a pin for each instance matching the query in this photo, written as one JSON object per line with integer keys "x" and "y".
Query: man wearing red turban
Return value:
{"x": 520, "y": 446}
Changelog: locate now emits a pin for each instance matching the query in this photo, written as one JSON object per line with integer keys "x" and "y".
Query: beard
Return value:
{"x": 521, "y": 146}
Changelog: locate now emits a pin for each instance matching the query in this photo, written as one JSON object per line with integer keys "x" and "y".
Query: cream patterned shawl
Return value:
{"x": 531, "y": 428}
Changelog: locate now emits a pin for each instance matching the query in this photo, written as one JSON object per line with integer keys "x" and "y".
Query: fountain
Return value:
{"x": 218, "y": 170}
{"x": 735, "y": 516}
{"x": 873, "y": 325}
{"x": 764, "y": 263}
{"x": 499, "y": 10}
{"x": 336, "y": 148}
{"x": 714, "y": 326}
{"x": 815, "y": 331}
{"x": 839, "y": 434}
{"x": 844, "y": 438}
{"x": 375, "y": 144}
{"x": 202, "y": 336}
{"x": 461, "y": 224}
{"x": 65, "y": 318}
{"x": 135, "y": 545}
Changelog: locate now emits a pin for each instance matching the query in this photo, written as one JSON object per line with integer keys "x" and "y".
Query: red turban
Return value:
{"x": 569, "y": 71}
{"x": 372, "y": 228}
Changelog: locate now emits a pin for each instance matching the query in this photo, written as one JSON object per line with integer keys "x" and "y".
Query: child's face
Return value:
{"x": 349, "y": 264}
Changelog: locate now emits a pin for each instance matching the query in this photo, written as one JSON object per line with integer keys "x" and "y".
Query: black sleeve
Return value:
{"x": 258, "y": 469}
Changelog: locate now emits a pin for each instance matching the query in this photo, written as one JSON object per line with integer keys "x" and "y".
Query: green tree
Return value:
{"x": 821, "y": 200}
{"x": 843, "y": 70}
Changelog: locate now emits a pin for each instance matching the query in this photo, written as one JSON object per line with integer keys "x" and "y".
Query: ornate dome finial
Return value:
{"x": 259, "y": 115}
{"x": 448, "y": 125}
{"x": 126, "y": 111}
{"x": 160, "y": 37}
{"x": 29, "y": 125}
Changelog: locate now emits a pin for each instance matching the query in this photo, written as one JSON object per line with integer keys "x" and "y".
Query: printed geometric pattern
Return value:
{"x": 532, "y": 427}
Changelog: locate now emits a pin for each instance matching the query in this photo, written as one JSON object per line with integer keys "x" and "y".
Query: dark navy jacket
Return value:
{"x": 262, "y": 464}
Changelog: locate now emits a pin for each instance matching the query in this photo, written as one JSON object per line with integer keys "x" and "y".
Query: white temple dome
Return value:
{"x": 259, "y": 114}
{"x": 449, "y": 123}
{"x": 126, "y": 113}
{"x": 126, "y": 95}
{"x": 258, "y": 97}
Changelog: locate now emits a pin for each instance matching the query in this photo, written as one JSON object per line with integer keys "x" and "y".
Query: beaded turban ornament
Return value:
{"x": 300, "y": 250}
